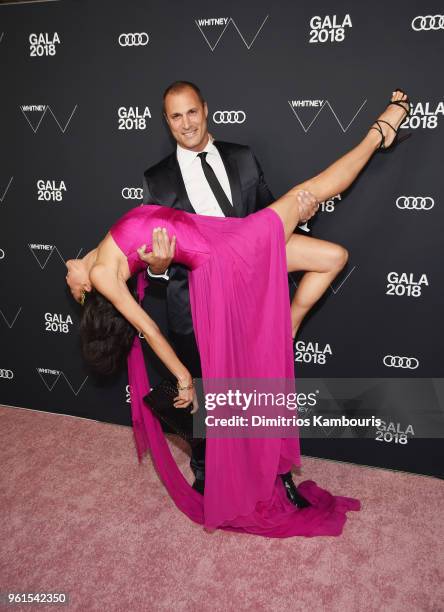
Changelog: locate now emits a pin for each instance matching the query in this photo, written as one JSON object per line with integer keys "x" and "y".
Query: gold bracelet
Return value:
{"x": 179, "y": 388}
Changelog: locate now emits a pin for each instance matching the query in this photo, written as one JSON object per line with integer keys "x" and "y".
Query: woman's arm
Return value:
{"x": 341, "y": 174}
{"x": 106, "y": 280}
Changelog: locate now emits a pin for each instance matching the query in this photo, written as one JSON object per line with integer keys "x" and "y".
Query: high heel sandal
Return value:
{"x": 397, "y": 139}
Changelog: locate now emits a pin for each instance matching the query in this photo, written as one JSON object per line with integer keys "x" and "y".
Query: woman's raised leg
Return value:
{"x": 341, "y": 174}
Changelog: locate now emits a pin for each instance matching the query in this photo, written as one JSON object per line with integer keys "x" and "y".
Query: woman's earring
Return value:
{"x": 82, "y": 298}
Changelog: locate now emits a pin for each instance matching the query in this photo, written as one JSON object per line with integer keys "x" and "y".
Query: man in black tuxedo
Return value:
{"x": 202, "y": 176}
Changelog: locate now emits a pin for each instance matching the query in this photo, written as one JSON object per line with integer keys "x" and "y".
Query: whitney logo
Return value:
{"x": 296, "y": 104}
{"x": 43, "y": 252}
{"x": 50, "y": 378}
{"x": 5, "y": 191}
{"x": 336, "y": 289}
{"x": 221, "y": 24}
{"x": 10, "y": 325}
{"x": 41, "y": 110}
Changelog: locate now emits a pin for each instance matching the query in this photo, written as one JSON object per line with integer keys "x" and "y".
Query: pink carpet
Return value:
{"x": 80, "y": 515}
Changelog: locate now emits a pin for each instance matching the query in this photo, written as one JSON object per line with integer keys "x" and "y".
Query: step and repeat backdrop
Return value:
{"x": 81, "y": 119}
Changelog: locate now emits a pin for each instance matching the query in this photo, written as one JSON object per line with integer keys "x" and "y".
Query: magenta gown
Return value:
{"x": 241, "y": 315}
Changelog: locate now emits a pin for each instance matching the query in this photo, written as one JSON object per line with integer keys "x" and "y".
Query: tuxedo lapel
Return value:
{"x": 182, "y": 200}
{"x": 233, "y": 178}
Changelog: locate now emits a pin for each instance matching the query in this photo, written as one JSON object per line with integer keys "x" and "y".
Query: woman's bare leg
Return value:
{"x": 341, "y": 174}
{"x": 322, "y": 261}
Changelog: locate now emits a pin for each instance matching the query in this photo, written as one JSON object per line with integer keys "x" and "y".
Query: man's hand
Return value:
{"x": 160, "y": 258}
{"x": 308, "y": 205}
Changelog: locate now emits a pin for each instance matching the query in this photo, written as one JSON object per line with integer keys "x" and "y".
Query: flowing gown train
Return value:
{"x": 241, "y": 315}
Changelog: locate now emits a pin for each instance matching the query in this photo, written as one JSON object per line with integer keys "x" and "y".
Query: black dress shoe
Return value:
{"x": 199, "y": 485}
{"x": 292, "y": 493}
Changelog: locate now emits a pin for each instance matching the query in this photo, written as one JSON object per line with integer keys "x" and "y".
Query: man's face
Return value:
{"x": 187, "y": 119}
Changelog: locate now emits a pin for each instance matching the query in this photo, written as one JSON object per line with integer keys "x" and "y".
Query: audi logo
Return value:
{"x": 132, "y": 193}
{"x": 2, "y": 254}
{"x": 415, "y": 202}
{"x": 139, "y": 39}
{"x": 229, "y": 116}
{"x": 394, "y": 361}
{"x": 428, "y": 22}
{"x": 6, "y": 374}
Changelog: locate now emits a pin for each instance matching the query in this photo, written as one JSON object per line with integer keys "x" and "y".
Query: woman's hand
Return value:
{"x": 185, "y": 392}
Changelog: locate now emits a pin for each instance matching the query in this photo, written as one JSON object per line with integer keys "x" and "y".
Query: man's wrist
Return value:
{"x": 153, "y": 275}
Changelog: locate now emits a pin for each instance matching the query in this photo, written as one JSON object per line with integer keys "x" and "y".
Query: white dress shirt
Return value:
{"x": 199, "y": 191}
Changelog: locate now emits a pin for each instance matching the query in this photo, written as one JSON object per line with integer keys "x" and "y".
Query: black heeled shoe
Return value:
{"x": 397, "y": 139}
{"x": 292, "y": 493}
{"x": 199, "y": 486}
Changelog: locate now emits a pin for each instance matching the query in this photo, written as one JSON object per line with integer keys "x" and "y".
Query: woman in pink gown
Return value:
{"x": 242, "y": 320}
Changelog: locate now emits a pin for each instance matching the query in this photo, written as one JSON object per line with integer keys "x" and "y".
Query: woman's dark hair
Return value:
{"x": 105, "y": 335}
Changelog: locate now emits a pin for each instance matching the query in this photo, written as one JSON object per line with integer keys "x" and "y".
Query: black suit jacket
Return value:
{"x": 163, "y": 185}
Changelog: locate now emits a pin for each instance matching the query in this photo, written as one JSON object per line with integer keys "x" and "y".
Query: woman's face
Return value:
{"x": 77, "y": 278}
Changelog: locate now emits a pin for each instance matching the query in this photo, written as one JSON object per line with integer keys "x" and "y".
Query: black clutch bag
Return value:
{"x": 160, "y": 400}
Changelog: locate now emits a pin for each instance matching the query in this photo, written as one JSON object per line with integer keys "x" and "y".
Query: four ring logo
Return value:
{"x": 8, "y": 374}
{"x": 132, "y": 193}
{"x": 139, "y": 39}
{"x": 229, "y": 116}
{"x": 428, "y": 22}
{"x": 394, "y": 361}
{"x": 415, "y": 202}
{"x": 2, "y": 254}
